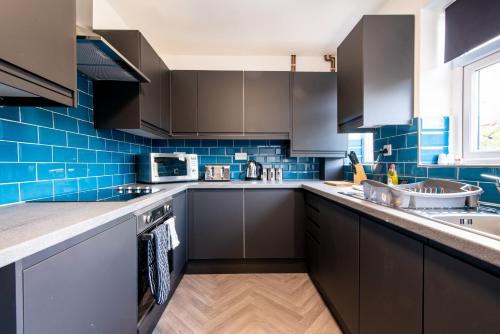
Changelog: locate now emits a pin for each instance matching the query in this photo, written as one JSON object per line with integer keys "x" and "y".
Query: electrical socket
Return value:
{"x": 388, "y": 147}
{"x": 240, "y": 156}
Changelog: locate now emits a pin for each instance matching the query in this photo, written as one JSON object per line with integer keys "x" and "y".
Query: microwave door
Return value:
{"x": 170, "y": 167}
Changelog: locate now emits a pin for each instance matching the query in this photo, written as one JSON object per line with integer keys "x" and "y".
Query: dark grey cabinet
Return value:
{"x": 314, "y": 116}
{"x": 376, "y": 73}
{"x": 165, "y": 97}
{"x": 184, "y": 99}
{"x": 458, "y": 297}
{"x": 216, "y": 224}
{"x": 391, "y": 281}
{"x": 220, "y": 102}
{"x": 89, "y": 287}
{"x": 339, "y": 261}
{"x": 181, "y": 224}
{"x": 38, "y": 53}
{"x": 133, "y": 107}
{"x": 270, "y": 223}
{"x": 267, "y": 102}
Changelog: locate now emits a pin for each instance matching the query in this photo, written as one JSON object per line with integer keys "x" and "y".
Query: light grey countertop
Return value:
{"x": 28, "y": 228}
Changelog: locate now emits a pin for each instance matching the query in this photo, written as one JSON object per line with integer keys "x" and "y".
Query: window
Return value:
{"x": 481, "y": 111}
{"x": 362, "y": 144}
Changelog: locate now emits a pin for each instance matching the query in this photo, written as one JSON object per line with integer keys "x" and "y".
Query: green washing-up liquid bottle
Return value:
{"x": 392, "y": 175}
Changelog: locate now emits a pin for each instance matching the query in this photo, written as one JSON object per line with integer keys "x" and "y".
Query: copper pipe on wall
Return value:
{"x": 332, "y": 60}
{"x": 294, "y": 63}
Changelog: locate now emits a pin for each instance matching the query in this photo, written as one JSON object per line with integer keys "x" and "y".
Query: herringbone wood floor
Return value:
{"x": 247, "y": 303}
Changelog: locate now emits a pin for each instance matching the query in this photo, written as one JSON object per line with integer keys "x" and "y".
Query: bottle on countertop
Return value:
{"x": 392, "y": 175}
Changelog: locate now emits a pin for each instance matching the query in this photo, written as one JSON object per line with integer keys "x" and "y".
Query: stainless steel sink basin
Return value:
{"x": 481, "y": 223}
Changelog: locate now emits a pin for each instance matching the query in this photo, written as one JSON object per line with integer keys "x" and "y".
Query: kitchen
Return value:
{"x": 264, "y": 167}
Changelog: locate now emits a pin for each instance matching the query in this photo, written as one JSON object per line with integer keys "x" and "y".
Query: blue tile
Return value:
{"x": 124, "y": 147}
{"x": 97, "y": 143}
{"x": 65, "y": 186}
{"x": 80, "y": 141}
{"x": 79, "y": 112}
{"x": 412, "y": 169}
{"x": 490, "y": 194}
{"x": 129, "y": 178}
{"x": 207, "y": 160}
{"x": 95, "y": 169}
{"x": 117, "y": 157}
{"x": 64, "y": 154}
{"x": 105, "y": 181}
{"x": 129, "y": 158}
{"x": 200, "y": 150}
{"x": 209, "y": 143}
{"x": 86, "y": 156}
{"x": 58, "y": 110}
{"x": 17, "y": 172}
{"x": 85, "y": 100}
{"x": 18, "y": 132}
{"x": 8, "y": 151}
{"x": 9, "y": 193}
{"x": 430, "y": 156}
{"x": 192, "y": 143}
{"x": 62, "y": 122}
{"x": 176, "y": 143}
{"x": 88, "y": 183}
{"x": 224, "y": 160}
{"x": 474, "y": 173}
{"x": 82, "y": 83}
{"x": 434, "y": 139}
{"x": 110, "y": 169}
{"x": 52, "y": 137}
{"x": 412, "y": 140}
{"x": 104, "y": 133}
{"x": 111, "y": 145}
{"x": 398, "y": 141}
{"x": 36, "y": 190}
{"x": 118, "y": 180}
{"x": 36, "y": 116}
{"x": 404, "y": 129}
{"x": 10, "y": 113}
{"x": 407, "y": 155}
{"x": 242, "y": 143}
{"x": 35, "y": 153}
{"x": 103, "y": 157}
{"x": 388, "y": 131}
{"x": 86, "y": 128}
{"x": 217, "y": 151}
{"x": 224, "y": 143}
{"x": 50, "y": 171}
{"x": 76, "y": 170}
{"x": 118, "y": 135}
{"x": 443, "y": 172}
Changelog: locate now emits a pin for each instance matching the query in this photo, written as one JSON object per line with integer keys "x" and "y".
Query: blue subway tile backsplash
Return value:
{"x": 54, "y": 151}
{"x": 434, "y": 133}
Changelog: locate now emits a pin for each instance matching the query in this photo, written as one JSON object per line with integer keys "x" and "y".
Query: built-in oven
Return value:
{"x": 167, "y": 167}
{"x": 149, "y": 312}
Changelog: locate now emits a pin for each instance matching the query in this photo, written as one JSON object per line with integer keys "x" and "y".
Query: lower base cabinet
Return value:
{"x": 458, "y": 297}
{"x": 90, "y": 287}
{"x": 180, "y": 253}
{"x": 391, "y": 281}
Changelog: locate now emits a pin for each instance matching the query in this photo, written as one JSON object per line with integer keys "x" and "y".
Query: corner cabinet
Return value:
{"x": 314, "y": 116}
{"x": 139, "y": 108}
{"x": 38, "y": 53}
{"x": 376, "y": 73}
{"x": 88, "y": 284}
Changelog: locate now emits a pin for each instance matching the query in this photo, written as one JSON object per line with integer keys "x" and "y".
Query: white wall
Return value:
{"x": 106, "y": 17}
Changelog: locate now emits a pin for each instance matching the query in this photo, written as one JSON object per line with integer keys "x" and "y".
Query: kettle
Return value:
{"x": 254, "y": 170}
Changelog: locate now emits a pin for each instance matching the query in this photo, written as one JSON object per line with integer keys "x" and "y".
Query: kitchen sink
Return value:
{"x": 487, "y": 224}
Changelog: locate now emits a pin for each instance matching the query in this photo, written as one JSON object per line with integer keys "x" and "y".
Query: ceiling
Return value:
{"x": 243, "y": 27}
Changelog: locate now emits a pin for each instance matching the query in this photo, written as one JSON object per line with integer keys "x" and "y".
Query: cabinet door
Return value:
{"x": 90, "y": 287}
{"x": 459, "y": 298}
{"x": 180, "y": 253}
{"x": 165, "y": 96}
{"x": 150, "y": 92}
{"x": 267, "y": 102}
{"x": 339, "y": 261}
{"x": 220, "y": 101}
{"x": 184, "y": 95}
{"x": 312, "y": 257}
{"x": 35, "y": 41}
{"x": 216, "y": 224}
{"x": 270, "y": 223}
{"x": 391, "y": 281}
{"x": 314, "y": 115}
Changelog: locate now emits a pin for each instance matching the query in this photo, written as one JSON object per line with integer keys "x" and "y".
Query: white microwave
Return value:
{"x": 167, "y": 167}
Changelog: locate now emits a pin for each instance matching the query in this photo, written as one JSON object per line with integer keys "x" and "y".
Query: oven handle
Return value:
{"x": 149, "y": 236}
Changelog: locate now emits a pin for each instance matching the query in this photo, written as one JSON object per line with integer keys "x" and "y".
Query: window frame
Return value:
{"x": 469, "y": 120}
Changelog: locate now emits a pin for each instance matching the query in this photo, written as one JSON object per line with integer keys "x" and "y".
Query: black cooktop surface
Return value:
{"x": 115, "y": 194}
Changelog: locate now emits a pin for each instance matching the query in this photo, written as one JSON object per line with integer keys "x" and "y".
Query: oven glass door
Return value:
{"x": 170, "y": 166}
{"x": 145, "y": 298}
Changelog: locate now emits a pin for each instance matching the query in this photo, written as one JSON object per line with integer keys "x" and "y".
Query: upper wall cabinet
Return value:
{"x": 38, "y": 53}
{"x": 314, "y": 116}
{"x": 184, "y": 99}
{"x": 376, "y": 73}
{"x": 267, "y": 102}
{"x": 220, "y": 102}
{"x": 134, "y": 107}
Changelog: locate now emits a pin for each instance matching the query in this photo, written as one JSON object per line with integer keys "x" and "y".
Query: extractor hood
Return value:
{"x": 96, "y": 57}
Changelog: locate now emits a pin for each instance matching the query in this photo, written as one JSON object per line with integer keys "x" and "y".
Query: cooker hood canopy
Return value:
{"x": 96, "y": 57}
